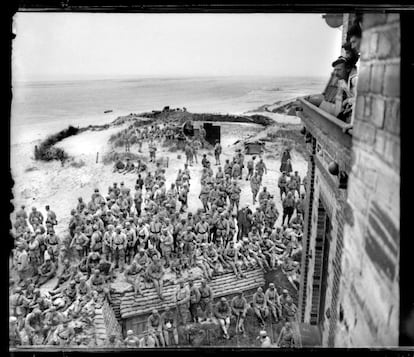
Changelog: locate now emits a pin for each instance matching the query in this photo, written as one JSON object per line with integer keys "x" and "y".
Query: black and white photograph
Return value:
{"x": 205, "y": 180}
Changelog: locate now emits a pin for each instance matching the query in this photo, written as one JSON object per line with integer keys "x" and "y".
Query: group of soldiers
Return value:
{"x": 144, "y": 234}
{"x": 162, "y": 328}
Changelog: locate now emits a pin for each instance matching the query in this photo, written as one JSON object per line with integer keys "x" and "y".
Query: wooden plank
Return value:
{"x": 143, "y": 304}
{"x": 217, "y": 284}
{"x": 133, "y": 310}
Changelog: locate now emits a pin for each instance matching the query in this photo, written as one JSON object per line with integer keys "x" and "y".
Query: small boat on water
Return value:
{"x": 108, "y": 111}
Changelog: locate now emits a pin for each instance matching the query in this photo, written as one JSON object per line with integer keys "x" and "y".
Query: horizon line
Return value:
{"x": 158, "y": 76}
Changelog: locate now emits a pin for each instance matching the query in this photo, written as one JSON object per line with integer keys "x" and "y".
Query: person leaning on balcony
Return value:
{"x": 345, "y": 71}
{"x": 354, "y": 35}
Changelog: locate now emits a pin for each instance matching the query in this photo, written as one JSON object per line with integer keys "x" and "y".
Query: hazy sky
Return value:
{"x": 80, "y": 45}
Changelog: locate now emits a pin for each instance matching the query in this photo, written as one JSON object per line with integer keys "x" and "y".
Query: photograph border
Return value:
{"x": 407, "y": 80}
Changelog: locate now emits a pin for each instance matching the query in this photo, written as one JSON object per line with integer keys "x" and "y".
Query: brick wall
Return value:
{"x": 323, "y": 186}
{"x": 367, "y": 305}
{"x": 306, "y": 261}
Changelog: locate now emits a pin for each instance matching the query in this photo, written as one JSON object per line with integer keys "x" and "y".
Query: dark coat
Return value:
{"x": 244, "y": 218}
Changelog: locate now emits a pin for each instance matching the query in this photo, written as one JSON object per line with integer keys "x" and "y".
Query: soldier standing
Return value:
{"x": 250, "y": 168}
{"x": 235, "y": 196}
{"x": 255, "y": 186}
{"x": 204, "y": 195}
{"x": 217, "y": 152}
{"x": 206, "y": 299}
{"x": 119, "y": 245}
{"x": 282, "y": 183}
{"x": 194, "y": 301}
{"x": 152, "y": 149}
{"x": 261, "y": 169}
{"x": 182, "y": 301}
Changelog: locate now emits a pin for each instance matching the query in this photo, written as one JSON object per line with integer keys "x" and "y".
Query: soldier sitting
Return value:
{"x": 155, "y": 272}
{"x": 133, "y": 276}
{"x": 119, "y": 166}
{"x": 46, "y": 272}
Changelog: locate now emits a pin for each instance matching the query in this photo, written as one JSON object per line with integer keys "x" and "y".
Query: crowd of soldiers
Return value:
{"x": 144, "y": 234}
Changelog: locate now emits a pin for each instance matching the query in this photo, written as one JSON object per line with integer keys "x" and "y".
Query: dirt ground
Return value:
{"x": 39, "y": 183}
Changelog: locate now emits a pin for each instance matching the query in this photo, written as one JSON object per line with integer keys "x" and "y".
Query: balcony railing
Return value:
{"x": 316, "y": 119}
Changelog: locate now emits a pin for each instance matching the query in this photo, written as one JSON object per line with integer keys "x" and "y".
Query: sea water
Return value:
{"x": 42, "y": 108}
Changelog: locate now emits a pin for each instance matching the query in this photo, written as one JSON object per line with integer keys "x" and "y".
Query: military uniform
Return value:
{"x": 235, "y": 197}
{"x": 250, "y": 169}
{"x": 204, "y": 196}
{"x": 119, "y": 244}
{"x": 282, "y": 183}
{"x": 255, "y": 186}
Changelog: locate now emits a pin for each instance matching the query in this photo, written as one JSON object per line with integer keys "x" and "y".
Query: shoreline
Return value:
{"x": 23, "y": 133}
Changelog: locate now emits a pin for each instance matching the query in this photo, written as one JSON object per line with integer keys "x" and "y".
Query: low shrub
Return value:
{"x": 47, "y": 152}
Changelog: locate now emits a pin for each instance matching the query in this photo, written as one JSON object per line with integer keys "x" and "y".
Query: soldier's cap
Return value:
{"x": 223, "y": 299}
{"x": 141, "y": 249}
{"x": 12, "y": 319}
{"x": 284, "y": 291}
{"x": 18, "y": 289}
{"x": 263, "y": 333}
{"x": 339, "y": 60}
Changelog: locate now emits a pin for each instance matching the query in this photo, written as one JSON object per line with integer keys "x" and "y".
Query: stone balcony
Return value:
{"x": 333, "y": 136}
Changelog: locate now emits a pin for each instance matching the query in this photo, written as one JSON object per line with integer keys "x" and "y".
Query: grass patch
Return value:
{"x": 290, "y": 138}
